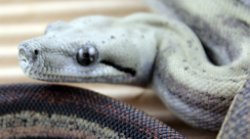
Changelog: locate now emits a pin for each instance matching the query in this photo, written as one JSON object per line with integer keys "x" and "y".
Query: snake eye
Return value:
{"x": 87, "y": 55}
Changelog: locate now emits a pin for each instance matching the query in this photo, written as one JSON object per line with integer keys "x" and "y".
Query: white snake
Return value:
{"x": 196, "y": 56}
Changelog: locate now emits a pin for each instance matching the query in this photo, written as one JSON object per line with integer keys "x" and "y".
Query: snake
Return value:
{"x": 41, "y": 111}
{"x": 194, "y": 54}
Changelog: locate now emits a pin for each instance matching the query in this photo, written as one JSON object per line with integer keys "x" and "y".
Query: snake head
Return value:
{"x": 90, "y": 49}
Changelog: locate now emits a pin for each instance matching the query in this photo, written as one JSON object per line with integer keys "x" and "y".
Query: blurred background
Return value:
{"x": 21, "y": 20}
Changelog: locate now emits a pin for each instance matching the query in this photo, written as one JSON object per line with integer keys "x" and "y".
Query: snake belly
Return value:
{"x": 54, "y": 111}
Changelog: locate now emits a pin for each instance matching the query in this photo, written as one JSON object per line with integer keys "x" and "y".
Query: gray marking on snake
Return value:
{"x": 195, "y": 99}
{"x": 186, "y": 111}
{"x": 217, "y": 47}
{"x": 238, "y": 24}
{"x": 240, "y": 113}
{"x": 245, "y": 3}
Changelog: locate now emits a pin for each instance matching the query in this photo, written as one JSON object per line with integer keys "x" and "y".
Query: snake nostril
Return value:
{"x": 25, "y": 54}
{"x": 36, "y": 52}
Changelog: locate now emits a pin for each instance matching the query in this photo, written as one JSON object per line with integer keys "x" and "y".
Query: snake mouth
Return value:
{"x": 58, "y": 75}
{"x": 127, "y": 70}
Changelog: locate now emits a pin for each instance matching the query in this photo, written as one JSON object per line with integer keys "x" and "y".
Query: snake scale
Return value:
{"x": 194, "y": 53}
{"x": 34, "y": 111}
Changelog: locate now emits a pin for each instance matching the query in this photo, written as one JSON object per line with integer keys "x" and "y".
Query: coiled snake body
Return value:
{"x": 34, "y": 111}
{"x": 197, "y": 60}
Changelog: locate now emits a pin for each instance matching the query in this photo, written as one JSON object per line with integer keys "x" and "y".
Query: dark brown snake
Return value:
{"x": 40, "y": 111}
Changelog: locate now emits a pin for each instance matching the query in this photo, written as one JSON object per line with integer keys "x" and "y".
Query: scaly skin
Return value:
{"x": 224, "y": 29}
{"x": 149, "y": 48}
{"x": 40, "y": 111}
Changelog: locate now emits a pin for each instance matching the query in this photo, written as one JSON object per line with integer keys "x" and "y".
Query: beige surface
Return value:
{"x": 20, "y": 20}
